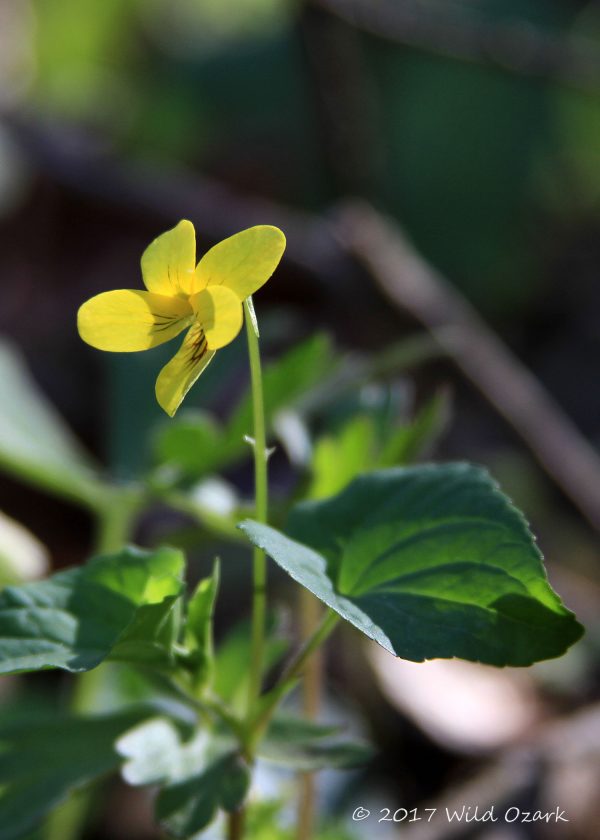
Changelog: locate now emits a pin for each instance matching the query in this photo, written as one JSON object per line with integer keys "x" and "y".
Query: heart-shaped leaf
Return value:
{"x": 430, "y": 561}
{"x": 118, "y": 605}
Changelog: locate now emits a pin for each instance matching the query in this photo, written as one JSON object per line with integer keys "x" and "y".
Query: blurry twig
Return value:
{"x": 402, "y": 274}
{"x": 444, "y": 28}
{"x": 413, "y": 285}
{"x": 78, "y": 161}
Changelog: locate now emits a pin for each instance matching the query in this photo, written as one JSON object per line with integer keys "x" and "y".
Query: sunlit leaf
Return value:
{"x": 337, "y": 459}
{"x": 412, "y": 440}
{"x": 429, "y": 561}
{"x": 116, "y": 606}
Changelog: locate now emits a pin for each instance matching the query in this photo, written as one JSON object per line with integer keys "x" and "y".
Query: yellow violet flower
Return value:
{"x": 206, "y": 297}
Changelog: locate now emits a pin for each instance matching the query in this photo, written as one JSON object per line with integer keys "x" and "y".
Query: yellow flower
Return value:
{"x": 206, "y": 297}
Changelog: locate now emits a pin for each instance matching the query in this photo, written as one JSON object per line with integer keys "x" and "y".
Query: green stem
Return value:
{"x": 288, "y": 679}
{"x": 114, "y": 524}
{"x": 259, "y": 573}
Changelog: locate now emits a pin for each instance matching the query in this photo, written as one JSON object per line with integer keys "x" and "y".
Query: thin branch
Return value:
{"x": 77, "y": 162}
{"x": 405, "y": 277}
{"x": 399, "y": 271}
{"x": 446, "y": 29}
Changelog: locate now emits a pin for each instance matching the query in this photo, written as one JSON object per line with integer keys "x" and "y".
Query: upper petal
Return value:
{"x": 178, "y": 375}
{"x": 243, "y": 262}
{"x": 169, "y": 262}
{"x": 219, "y": 311}
{"x": 128, "y": 320}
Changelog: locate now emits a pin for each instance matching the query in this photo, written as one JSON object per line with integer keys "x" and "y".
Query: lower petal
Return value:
{"x": 178, "y": 376}
{"x": 127, "y": 320}
{"x": 219, "y": 311}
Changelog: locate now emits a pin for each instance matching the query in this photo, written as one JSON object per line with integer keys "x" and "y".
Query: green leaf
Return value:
{"x": 339, "y": 459}
{"x": 200, "y": 612}
{"x": 429, "y": 561}
{"x": 193, "y": 442}
{"x": 199, "y": 776}
{"x": 411, "y": 441}
{"x": 199, "y": 624}
{"x": 304, "y": 745}
{"x": 360, "y": 445}
{"x": 116, "y": 606}
{"x": 35, "y": 443}
{"x": 43, "y": 759}
{"x": 187, "y": 807}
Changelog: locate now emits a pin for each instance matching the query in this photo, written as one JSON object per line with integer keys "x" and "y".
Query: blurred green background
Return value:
{"x": 474, "y": 123}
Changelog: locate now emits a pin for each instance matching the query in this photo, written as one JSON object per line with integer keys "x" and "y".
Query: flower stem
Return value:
{"x": 259, "y": 573}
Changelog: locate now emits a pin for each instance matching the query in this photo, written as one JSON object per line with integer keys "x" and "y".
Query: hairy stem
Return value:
{"x": 259, "y": 565}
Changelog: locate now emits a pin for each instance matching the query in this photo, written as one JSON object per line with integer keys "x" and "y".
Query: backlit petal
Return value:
{"x": 219, "y": 311}
{"x": 178, "y": 376}
{"x": 127, "y": 320}
{"x": 168, "y": 263}
{"x": 244, "y": 262}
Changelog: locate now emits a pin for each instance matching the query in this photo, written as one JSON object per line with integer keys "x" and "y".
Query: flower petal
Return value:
{"x": 127, "y": 320}
{"x": 168, "y": 263}
{"x": 219, "y": 311}
{"x": 178, "y": 375}
{"x": 244, "y": 262}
